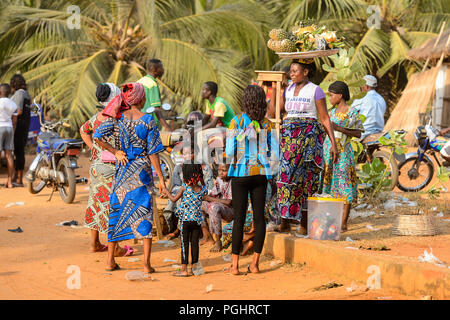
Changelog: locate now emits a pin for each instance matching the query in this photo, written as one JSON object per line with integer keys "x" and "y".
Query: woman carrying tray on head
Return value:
{"x": 301, "y": 144}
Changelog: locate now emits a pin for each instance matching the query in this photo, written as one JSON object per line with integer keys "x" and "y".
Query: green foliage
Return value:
{"x": 343, "y": 71}
{"x": 375, "y": 174}
{"x": 443, "y": 176}
{"x": 198, "y": 41}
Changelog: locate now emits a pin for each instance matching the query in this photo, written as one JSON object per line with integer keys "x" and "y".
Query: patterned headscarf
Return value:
{"x": 132, "y": 94}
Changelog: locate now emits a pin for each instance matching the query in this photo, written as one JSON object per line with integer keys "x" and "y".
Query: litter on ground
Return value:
{"x": 440, "y": 215}
{"x": 329, "y": 285}
{"x": 197, "y": 269}
{"x": 209, "y": 288}
{"x": 275, "y": 263}
{"x": 349, "y": 239}
{"x": 133, "y": 259}
{"x": 170, "y": 244}
{"x": 169, "y": 260}
{"x": 227, "y": 258}
{"x": 137, "y": 275}
{"x": 431, "y": 258}
{"x": 18, "y": 230}
{"x": 15, "y": 204}
{"x": 363, "y": 214}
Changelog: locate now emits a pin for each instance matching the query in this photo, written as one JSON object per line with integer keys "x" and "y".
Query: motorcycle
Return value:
{"x": 417, "y": 167}
{"x": 372, "y": 149}
{"x": 56, "y": 160}
{"x": 215, "y": 141}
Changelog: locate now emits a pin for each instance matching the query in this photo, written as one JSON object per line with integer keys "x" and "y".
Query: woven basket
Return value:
{"x": 415, "y": 225}
{"x": 307, "y": 54}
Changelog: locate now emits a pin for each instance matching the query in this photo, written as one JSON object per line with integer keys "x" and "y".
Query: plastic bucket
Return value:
{"x": 325, "y": 218}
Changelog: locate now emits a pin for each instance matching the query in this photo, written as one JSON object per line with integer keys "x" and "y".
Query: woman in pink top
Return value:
{"x": 301, "y": 144}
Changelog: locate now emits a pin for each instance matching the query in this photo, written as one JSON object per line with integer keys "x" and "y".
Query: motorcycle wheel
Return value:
{"x": 37, "y": 185}
{"x": 67, "y": 191}
{"x": 385, "y": 157}
{"x": 412, "y": 172}
{"x": 164, "y": 158}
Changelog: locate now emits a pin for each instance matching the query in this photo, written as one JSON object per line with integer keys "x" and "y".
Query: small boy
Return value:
{"x": 221, "y": 208}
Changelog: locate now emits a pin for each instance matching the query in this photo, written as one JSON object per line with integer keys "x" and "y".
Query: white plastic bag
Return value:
{"x": 429, "y": 257}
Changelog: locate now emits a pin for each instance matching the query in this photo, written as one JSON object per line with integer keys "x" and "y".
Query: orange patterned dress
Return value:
{"x": 100, "y": 184}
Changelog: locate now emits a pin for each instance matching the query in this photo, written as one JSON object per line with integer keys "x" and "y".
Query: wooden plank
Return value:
{"x": 270, "y": 77}
{"x": 277, "y": 108}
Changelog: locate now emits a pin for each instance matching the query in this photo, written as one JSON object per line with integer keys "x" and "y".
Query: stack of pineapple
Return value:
{"x": 305, "y": 36}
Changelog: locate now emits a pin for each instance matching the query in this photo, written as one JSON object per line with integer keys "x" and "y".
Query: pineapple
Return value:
{"x": 277, "y": 46}
{"x": 288, "y": 46}
{"x": 279, "y": 34}
{"x": 271, "y": 44}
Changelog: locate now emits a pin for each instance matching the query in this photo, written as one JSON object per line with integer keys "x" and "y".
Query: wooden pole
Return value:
{"x": 277, "y": 108}
{"x": 156, "y": 220}
{"x": 435, "y": 44}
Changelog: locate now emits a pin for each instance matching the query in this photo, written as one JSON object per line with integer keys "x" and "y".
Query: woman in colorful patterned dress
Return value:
{"x": 131, "y": 205}
{"x": 301, "y": 143}
{"x": 100, "y": 176}
{"x": 340, "y": 179}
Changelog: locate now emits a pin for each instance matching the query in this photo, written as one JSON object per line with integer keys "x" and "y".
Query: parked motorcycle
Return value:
{"x": 55, "y": 162}
{"x": 215, "y": 141}
{"x": 416, "y": 169}
{"x": 372, "y": 148}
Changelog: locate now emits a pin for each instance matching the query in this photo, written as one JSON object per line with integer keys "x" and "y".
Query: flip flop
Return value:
{"x": 102, "y": 249}
{"x": 129, "y": 252}
{"x": 116, "y": 267}
{"x": 179, "y": 274}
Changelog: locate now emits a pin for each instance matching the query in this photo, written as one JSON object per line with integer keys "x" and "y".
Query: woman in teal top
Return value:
{"x": 251, "y": 148}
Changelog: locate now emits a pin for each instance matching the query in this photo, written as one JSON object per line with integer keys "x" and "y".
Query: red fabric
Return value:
{"x": 132, "y": 94}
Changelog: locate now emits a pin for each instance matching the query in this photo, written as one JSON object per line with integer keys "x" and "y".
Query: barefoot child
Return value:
{"x": 220, "y": 208}
{"x": 189, "y": 212}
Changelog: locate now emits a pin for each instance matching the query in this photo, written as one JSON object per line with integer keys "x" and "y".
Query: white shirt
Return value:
{"x": 304, "y": 104}
{"x": 7, "y": 109}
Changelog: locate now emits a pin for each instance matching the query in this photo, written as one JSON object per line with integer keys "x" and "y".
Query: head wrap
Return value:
{"x": 132, "y": 94}
{"x": 303, "y": 61}
{"x": 106, "y": 92}
{"x": 340, "y": 87}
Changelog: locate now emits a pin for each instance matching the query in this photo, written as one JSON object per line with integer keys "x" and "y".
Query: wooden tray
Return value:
{"x": 307, "y": 54}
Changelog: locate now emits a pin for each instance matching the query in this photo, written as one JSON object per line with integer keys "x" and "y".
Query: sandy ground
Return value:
{"x": 34, "y": 263}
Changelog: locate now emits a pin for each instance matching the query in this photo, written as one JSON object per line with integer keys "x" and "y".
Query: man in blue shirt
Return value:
{"x": 372, "y": 106}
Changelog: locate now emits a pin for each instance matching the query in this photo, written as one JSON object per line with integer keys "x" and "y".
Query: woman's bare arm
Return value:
{"x": 327, "y": 124}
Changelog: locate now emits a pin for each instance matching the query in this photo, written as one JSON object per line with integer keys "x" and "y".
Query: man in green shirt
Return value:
{"x": 220, "y": 115}
{"x": 217, "y": 108}
{"x": 152, "y": 93}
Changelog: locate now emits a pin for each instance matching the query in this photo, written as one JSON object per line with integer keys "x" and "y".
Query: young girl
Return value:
{"x": 189, "y": 213}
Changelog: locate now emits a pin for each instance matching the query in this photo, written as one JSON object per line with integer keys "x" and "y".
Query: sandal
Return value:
{"x": 102, "y": 249}
{"x": 129, "y": 252}
{"x": 116, "y": 267}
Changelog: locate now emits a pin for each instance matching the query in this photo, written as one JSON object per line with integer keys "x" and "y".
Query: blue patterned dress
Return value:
{"x": 131, "y": 211}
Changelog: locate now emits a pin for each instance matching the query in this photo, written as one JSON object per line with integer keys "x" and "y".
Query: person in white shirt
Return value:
{"x": 372, "y": 106}
{"x": 8, "y": 119}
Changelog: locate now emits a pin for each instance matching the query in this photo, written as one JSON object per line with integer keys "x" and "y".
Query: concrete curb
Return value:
{"x": 407, "y": 278}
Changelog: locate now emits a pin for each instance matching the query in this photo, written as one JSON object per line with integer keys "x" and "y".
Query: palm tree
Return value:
{"x": 404, "y": 24}
{"x": 197, "y": 41}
